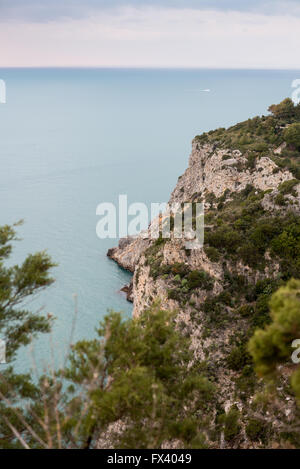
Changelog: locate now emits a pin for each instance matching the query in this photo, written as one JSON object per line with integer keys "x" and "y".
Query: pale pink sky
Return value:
{"x": 153, "y": 36}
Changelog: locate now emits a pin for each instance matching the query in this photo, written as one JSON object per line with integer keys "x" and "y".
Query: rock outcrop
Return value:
{"x": 208, "y": 173}
{"x": 128, "y": 252}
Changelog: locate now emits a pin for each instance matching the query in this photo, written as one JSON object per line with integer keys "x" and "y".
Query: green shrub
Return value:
{"x": 257, "y": 430}
{"x": 179, "y": 269}
{"x": 232, "y": 426}
{"x": 292, "y": 135}
{"x": 174, "y": 294}
{"x": 225, "y": 298}
{"x": 245, "y": 311}
{"x": 259, "y": 147}
{"x": 287, "y": 187}
{"x": 212, "y": 253}
{"x": 238, "y": 358}
{"x": 212, "y": 307}
{"x": 199, "y": 279}
{"x": 250, "y": 255}
{"x": 248, "y": 189}
{"x": 285, "y": 109}
{"x": 280, "y": 200}
{"x": 251, "y": 160}
{"x": 271, "y": 346}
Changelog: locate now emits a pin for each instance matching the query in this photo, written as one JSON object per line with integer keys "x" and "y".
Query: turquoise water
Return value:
{"x": 71, "y": 139}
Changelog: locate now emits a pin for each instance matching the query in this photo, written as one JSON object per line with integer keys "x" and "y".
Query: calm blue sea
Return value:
{"x": 73, "y": 138}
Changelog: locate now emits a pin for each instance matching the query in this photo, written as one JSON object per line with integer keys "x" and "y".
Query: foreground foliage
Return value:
{"x": 272, "y": 346}
{"x": 134, "y": 386}
{"x": 142, "y": 383}
{"x": 18, "y": 325}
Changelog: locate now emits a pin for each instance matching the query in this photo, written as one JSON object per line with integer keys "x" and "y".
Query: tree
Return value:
{"x": 134, "y": 386}
{"x": 284, "y": 110}
{"x": 144, "y": 394}
{"x": 18, "y": 326}
{"x": 272, "y": 346}
{"x": 292, "y": 135}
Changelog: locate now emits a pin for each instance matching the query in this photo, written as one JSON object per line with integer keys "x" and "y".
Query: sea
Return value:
{"x": 71, "y": 139}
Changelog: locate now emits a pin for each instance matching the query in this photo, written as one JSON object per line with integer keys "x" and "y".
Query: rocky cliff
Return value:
{"x": 211, "y": 176}
{"x": 248, "y": 179}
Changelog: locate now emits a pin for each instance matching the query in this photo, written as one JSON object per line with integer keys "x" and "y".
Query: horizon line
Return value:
{"x": 133, "y": 67}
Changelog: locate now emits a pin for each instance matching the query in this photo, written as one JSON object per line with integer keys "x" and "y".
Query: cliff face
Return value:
{"x": 208, "y": 173}
{"x": 220, "y": 292}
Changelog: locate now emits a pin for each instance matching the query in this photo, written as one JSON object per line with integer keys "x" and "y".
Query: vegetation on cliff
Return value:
{"x": 259, "y": 137}
{"x": 253, "y": 236}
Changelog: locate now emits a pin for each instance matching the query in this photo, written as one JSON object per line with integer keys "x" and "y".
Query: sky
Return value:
{"x": 153, "y": 33}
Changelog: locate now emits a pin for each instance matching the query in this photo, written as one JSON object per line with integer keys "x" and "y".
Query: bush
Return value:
{"x": 279, "y": 199}
{"x": 259, "y": 147}
{"x": 292, "y": 135}
{"x": 226, "y": 157}
{"x": 179, "y": 269}
{"x": 232, "y": 426}
{"x": 245, "y": 311}
{"x": 212, "y": 307}
{"x": 287, "y": 187}
{"x": 250, "y": 255}
{"x": 285, "y": 109}
{"x": 271, "y": 346}
{"x": 287, "y": 243}
{"x": 224, "y": 238}
{"x": 225, "y": 298}
{"x": 238, "y": 358}
{"x": 199, "y": 279}
{"x": 251, "y": 162}
{"x": 174, "y": 294}
{"x": 257, "y": 430}
{"x": 212, "y": 253}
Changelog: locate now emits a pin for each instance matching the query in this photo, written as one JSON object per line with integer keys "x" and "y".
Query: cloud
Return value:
{"x": 148, "y": 37}
{"x": 49, "y": 10}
